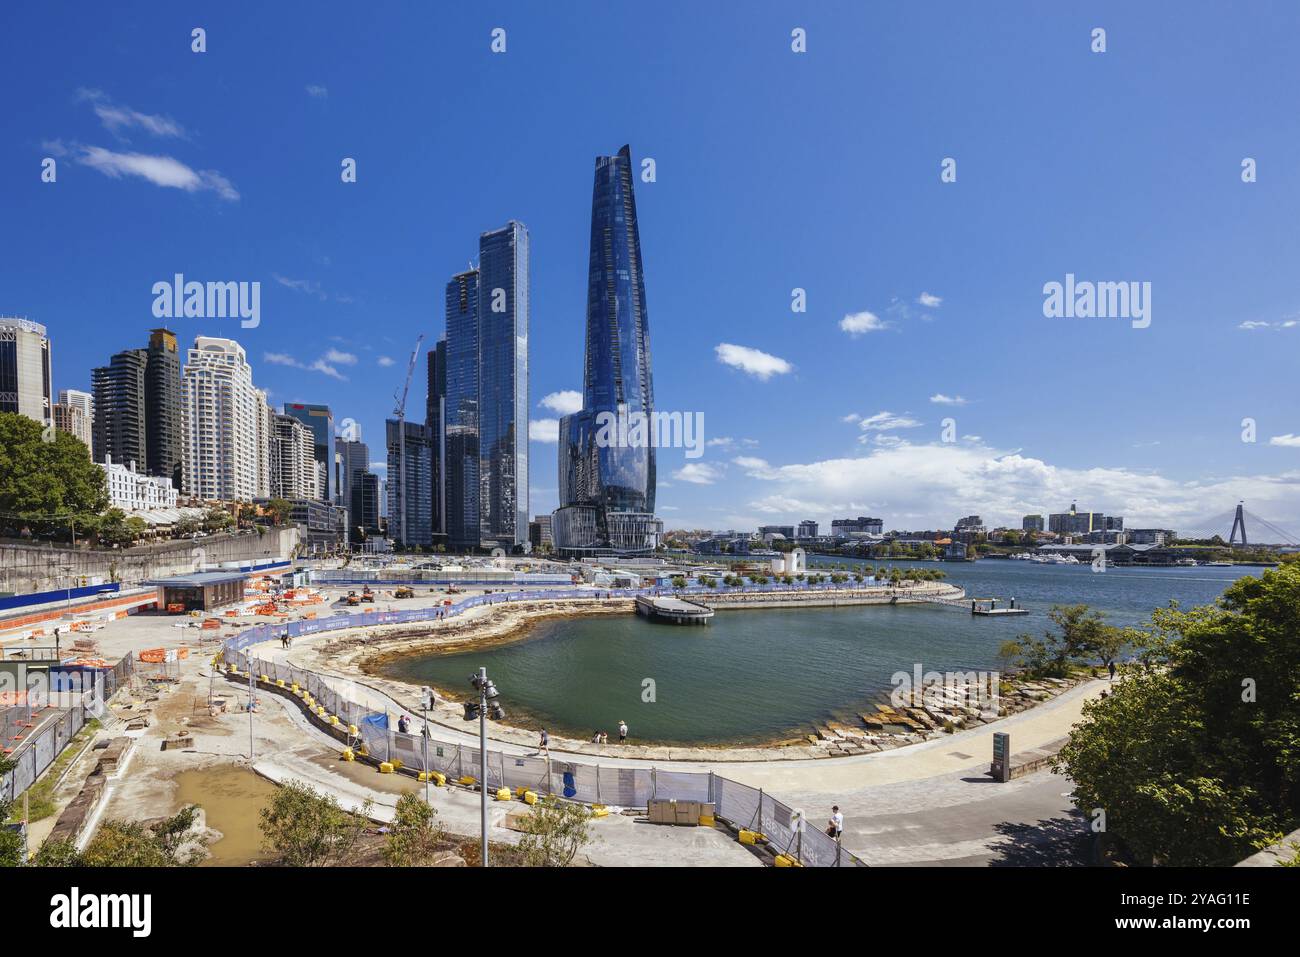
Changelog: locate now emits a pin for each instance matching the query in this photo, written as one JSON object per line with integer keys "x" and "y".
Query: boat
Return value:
{"x": 1219, "y": 564}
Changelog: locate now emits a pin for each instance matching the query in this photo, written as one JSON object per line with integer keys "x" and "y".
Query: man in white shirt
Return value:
{"x": 835, "y": 826}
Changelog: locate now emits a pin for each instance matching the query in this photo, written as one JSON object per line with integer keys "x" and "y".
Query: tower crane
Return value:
{"x": 400, "y": 413}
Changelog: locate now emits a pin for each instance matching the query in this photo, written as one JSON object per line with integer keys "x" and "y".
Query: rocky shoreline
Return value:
{"x": 939, "y": 711}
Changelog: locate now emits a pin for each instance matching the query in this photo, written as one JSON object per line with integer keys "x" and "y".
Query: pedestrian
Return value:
{"x": 604, "y": 737}
{"x": 835, "y": 826}
{"x": 1112, "y": 671}
{"x": 622, "y": 731}
{"x": 543, "y": 743}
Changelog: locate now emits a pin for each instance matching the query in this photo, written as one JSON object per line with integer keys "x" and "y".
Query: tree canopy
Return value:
{"x": 43, "y": 479}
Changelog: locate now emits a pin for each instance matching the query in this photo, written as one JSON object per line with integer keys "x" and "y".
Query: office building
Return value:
{"x": 1032, "y": 523}
{"x": 119, "y": 428}
{"x": 435, "y": 422}
{"x": 807, "y": 529}
{"x": 410, "y": 504}
{"x": 294, "y": 472}
{"x": 25, "y": 381}
{"x": 163, "y": 411}
{"x": 74, "y": 413}
{"x": 857, "y": 527}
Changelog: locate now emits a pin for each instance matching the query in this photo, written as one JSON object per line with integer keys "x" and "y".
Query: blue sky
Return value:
{"x": 775, "y": 170}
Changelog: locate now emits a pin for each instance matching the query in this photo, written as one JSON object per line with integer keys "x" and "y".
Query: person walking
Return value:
{"x": 1111, "y": 668}
{"x": 835, "y": 826}
{"x": 622, "y": 731}
{"x": 544, "y": 743}
{"x": 403, "y": 724}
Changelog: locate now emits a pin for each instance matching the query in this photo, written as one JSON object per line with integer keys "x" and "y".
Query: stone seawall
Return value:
{"x": 33, "y": 568}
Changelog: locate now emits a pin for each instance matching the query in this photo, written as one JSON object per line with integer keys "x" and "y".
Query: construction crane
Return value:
{"x": 400, "y": 414}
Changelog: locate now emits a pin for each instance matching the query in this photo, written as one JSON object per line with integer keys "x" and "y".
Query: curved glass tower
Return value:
{"x": 607, "y": 484}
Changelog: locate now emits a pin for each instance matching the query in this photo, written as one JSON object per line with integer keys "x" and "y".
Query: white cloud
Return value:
{"x": 917, "y": 486}
{"x": 160, "y": 170}
{"x": 384, "y": 361}
{"x": 384, "y": 467}
{"x": 317, "y": 91}
{"x": 759, "y": 364}
{"x": 884, "y": 421}
{"x": 727, "y": 442}
{"x": 308, "y": 286}
{"x": 940, "y": 399}
{"x": 544, "y": 430}
{"x": 929, "y": 300}
{"x": 851, "y": 417}
{"x": 857, "y": 323}
{"x": 117, "y": 118}
{"x": 698, "y": 473}
{"x": 564, "y": 402}
{"x": 325, "y": 365}
{"x": 1290, "y": 441}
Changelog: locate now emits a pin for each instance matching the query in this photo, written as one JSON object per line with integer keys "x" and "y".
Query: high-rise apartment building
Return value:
{"x": 226, "y": 426}
{"x": 460, "y": 413}
{"x": 293, "y": 468}
{"x": 25, "y": 381}
{"x": 434, "y": 421}
{"x": 120, "y": 430}
{"x": 163, "y": 411}
{"x": 607, "y": 489}
{"x": 320, "y": 420}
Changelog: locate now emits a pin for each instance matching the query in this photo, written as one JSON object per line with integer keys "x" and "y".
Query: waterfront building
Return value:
{"x": 1032, "y": 523}
{"x": 857, "y": 527}
{"x": 25, "y": 380}
{"x": 607, "y": 490}
{"x": 1075, "y": 522}
{"x": 226, "y": 429}
{"x": 410, "y": 514}
{"x": 1151, "y": 536}
{"x": 320, "y": 420}
{"x": 768, "y": 532}
{"x": 132, "y": 491}
{"x": 807, "y": 529}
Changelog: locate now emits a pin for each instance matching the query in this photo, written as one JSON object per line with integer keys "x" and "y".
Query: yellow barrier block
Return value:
{"x": 397, "y": 764}
{"x": 385, "y": 767}
{"x": 333, "y": 720}
{"x": 599, "y": 811}
{"x": 785, "y": 860}
{"x": 519, "y": 792}
{"x": 352, "y": 729}
{"x": 363, "y": 751}
{"x": 436, "y": 777}
{"x": 279, "y": 682}
{"x": 231, "y": 669}
{"x": 707, "y": 820}
{"x": 503, "y": 794}
{"x": 750, "y": 837}
{"x": 263, "y": 678}
{"x": 530, "y": 797}
{"x": 294, "y": 687}
{"x": 348, "y": 755}
{"x": 466, "y": 780}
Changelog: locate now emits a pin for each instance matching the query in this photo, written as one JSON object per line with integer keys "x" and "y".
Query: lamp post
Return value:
{"x": 426, "y": 695}
{"x": 487, "y": 695}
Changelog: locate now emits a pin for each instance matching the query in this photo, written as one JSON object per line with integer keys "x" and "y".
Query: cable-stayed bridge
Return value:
{"x": 1241, "y": 527}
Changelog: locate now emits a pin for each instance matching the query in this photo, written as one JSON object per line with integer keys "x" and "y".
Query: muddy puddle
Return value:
{"x": 231, "y": 797}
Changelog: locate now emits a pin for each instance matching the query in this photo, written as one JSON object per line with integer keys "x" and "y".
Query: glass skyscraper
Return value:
{"x": 484, "y": 441}
{"x": 607, "y": 490}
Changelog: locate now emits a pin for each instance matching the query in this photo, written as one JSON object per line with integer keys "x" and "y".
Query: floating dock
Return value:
{"x": 674, "y": 611}
{"x": 989, "y": 606}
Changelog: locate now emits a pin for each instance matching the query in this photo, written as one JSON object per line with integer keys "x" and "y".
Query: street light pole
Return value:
{"x": 482, "y": 756}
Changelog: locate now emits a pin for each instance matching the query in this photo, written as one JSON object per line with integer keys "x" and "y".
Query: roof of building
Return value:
{"x": 199, "y": 579}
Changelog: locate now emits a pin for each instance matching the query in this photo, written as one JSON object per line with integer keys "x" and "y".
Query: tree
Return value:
{"x": 307, "y": 829}
{"x": 1196, "y": 757}
{"x": 280, "y": 509}
{"x": 554, "y": 833}
{"x": 11, "y": 843}
{"x": 415, "y": 836}
{"x": 46, "y": 483}
{"x": 167, "y": 843}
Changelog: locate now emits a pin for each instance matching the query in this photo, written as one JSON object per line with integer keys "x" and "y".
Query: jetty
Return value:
{"x": 675, "y": 611}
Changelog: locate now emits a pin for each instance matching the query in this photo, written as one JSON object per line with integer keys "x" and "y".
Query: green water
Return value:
{"x": 764, "y": 675}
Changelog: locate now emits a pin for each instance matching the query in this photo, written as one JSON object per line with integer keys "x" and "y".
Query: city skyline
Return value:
{"x": 834, "y": 412}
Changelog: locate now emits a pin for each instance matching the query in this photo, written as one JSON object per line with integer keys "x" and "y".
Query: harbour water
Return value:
{"x": 763, "y": 675}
